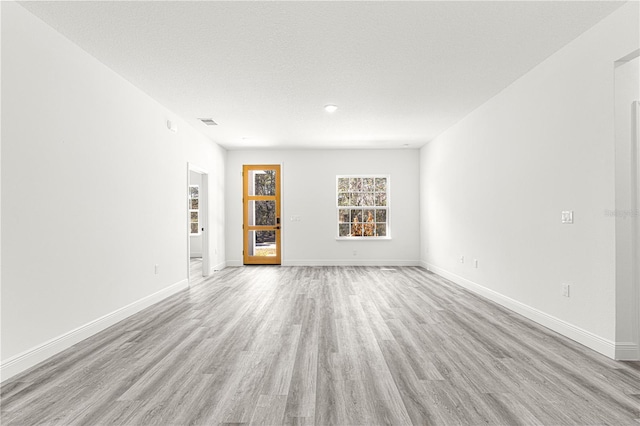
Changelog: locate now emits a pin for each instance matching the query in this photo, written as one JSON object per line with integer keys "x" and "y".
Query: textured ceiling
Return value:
{"x": 400, "y": 72}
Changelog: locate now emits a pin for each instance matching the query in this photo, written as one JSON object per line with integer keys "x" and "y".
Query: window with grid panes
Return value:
{"x": 362, "y": 204}
{"x": 194, "y": 210}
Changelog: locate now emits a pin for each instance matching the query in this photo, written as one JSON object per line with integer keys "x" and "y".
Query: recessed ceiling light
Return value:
{"x": 330, "y": 108}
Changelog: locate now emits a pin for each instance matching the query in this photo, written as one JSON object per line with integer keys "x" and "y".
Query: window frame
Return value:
{"x": 387, "y": 208}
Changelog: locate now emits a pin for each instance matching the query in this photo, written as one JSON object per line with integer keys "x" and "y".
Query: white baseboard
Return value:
{"x": 627, "y": 351}
{"x": 586, "y": 338}
{"x": 195, "y": 254}
{"x": 338, "y": 262}
{"x": 218, "y": 267}
{"x": 36, "y": 355}
{"x": 350, "y": 262}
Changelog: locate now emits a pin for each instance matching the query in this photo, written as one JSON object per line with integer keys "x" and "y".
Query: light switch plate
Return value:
{"x": 567, "y": 216}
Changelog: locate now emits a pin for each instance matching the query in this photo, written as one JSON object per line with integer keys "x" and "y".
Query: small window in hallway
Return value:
{"x": 194, "y": 211}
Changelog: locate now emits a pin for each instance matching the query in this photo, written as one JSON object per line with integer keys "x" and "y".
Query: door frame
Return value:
{"x": 627, "y": 220}
{"x": 203, "y": 219}
{"x": 635, "y": 186}
{"x": 264, "y": 260}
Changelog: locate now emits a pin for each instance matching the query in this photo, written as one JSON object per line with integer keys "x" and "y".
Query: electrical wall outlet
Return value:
{"x": 355, "y": 252}
{"x": 565, "y": 290}
{"x": 567, "y": 217}
{"x": 461, "y": 259}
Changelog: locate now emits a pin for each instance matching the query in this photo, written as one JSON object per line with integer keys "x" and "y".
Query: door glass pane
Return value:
{"x": 262, "y": 213}
{"x": 262, "y": 243}
{"x": 193, "y": 191}
{"x": 262, "y": 182}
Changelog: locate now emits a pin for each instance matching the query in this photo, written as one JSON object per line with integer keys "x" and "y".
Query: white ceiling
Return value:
{"x": 400, "y": 72}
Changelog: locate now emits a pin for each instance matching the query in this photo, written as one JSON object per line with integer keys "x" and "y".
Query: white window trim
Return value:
{"x": 387, "y": 207}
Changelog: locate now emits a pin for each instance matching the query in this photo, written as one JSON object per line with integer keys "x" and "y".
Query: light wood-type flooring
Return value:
{"x": 325, "y": 345}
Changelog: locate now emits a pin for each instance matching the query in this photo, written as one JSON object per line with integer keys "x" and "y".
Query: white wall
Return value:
{"x": 195, "y": 240}
{"x": 308, "y": 187}
{"x": 493, "y": 187}
{"x": 78, "y": 253}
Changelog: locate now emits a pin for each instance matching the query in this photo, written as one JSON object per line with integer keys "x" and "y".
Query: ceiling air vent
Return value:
{"x": 208, "y": 121}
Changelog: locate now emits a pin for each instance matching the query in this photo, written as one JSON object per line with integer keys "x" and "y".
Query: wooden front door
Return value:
{"x": 261, "y": 225}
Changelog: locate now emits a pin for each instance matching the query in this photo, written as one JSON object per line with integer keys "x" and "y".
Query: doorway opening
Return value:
{"x": 636, "y": 256}
{"x": 198, "y": 259}
{"x": 261, "y": 206}
{"x": 627, "y": 207}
